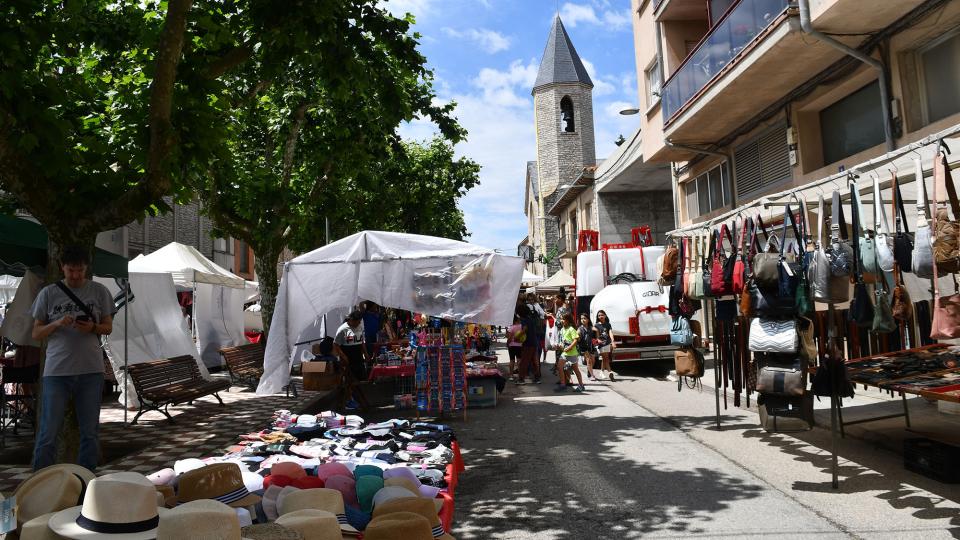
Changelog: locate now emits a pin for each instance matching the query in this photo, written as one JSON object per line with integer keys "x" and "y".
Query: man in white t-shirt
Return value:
{"x": 350, "y": 339}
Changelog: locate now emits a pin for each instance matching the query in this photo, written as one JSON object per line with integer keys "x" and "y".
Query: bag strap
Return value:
{"x": 951, "y": 188}
{"x": 83, "y": 307}
{"x": 763, "y": 228}
{"x": 923, "y": 204}
{"x": 858, "y": 209}
{"x": 879, "y": 214}
{"x": 820, "y": 239}
{"x": 804, "y": 221}
{"x": 838, "y": 225}
{"x": 854, "y": 196}
{"x": 743, "y": 231}
{"x": 788, "y": 217}
{"x": 899, "y": 213}
{"x": 711, "y": 250}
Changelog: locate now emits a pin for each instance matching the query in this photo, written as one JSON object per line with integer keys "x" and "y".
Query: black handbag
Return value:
{"x": 861, "y": 307}
{"x": 839, "y": 253}
{"x": 768, "y": 303}
{"x": 902, "y": 240}
{"x": 708, "y": 266}
{"x": 790, "y": 269}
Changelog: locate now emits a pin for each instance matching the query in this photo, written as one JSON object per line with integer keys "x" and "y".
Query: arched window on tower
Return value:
{"x": 566, "y": 115}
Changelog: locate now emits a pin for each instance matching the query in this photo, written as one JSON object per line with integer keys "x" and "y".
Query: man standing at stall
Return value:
{"x": 71, "y": 315}
{"x": 350, "y": 340}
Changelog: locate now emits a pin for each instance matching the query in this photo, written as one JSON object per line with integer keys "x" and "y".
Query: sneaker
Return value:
{"x": 591, "y": 378}
{"x": 579, "y": 388}
{"x": 612, "y": 376}
{"x": 536, "y": 380}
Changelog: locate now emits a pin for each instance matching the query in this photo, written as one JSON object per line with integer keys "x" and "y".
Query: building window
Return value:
{"x": 244, "y": 255}
{"x": 588, "y": 215}
{"x": 717, "y": 10}
{"x": 708, "y": 192}
{"x": 763, "y": 162}
{"x": 852, "y": 125}
{"x": 941, "y": 78}
{"x": 652, "y": 76}
{"x": 566, "y": 115}
{"x": 573, "y": 224}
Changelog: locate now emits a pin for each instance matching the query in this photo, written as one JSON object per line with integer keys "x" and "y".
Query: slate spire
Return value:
{"x": 560, "y": 62}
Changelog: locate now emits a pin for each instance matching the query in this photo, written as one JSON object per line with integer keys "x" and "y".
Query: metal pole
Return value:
{"x": 126, "y": 336}
{"x": 326, "y": 228}
{"x": 834, "y": 405}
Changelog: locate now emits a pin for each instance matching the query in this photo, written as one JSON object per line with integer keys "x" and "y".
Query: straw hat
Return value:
{"x": 269, "y": 502}
{"x": 124, "y": 502}
{"x": 398, "y": 492}
{"x": 406, "y": 472}
{"x": 269, "y": 531}
{"x": 38, "y": 528}
{"x": 200, "y": 520}
{"x": 220, "y": 481}
{"x": 329, "y": 500}
{"x": 417, "y": 505}
{"x": 312, "y": 524}
{"x": 406, "y": 525}
{"x": 51, "y": 489}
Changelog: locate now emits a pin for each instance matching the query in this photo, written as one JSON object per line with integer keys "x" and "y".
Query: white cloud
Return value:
{"x": 419, "y": 8}
{"x": 602, "y": 86}
{"x": 500, "y": 87}
{"x": 574, "y": 14}
{"x": 489, "y": 40}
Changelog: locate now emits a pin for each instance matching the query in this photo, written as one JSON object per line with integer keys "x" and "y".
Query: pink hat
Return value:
{"x": 347, "y": 487}
{"x": 330, "y": 469}
{"x": 163, "y": 477}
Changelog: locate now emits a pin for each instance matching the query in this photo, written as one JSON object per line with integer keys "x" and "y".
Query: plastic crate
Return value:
{"x": 932, "y": 459}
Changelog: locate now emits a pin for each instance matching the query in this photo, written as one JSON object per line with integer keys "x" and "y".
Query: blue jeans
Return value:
{"x": 86, "y": 391}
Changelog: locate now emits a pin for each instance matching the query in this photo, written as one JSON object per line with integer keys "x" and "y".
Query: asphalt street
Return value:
{"x": 636, "y": 458}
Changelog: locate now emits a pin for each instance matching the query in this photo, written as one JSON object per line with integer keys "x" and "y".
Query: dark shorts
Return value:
{"x": 514, "y": 351}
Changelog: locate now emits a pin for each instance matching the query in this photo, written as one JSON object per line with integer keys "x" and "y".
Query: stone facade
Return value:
{"x": 184, "y": 224}
{"x": 561, "y": 155}
{"x": 620, "y": 211}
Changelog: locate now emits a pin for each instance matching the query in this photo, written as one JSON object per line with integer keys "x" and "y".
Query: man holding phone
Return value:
{"x": 71, "y": 315}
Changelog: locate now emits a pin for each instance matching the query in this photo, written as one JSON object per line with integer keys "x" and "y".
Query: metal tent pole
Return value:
{"x": 126, "y": 337}
{"x": 834, "y": 400}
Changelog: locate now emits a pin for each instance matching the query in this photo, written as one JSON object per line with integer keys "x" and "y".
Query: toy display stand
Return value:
{"x": 441, "y": 376}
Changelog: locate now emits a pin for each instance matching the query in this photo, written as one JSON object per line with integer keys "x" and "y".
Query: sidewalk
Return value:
{"x": 198, "y": 430}
{"x": 636, "y": 458}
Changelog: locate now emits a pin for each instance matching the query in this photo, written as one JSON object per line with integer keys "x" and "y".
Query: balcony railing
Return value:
{"x": 563, "y": 245}
{"x": 733, "y": 33}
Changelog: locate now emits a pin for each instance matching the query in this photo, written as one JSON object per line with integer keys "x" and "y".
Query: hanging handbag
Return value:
{"x": 946, "y": 231}
{"x": 840, "y": 251}
{"x": 708, "y": 266}
{"x": 900, "y": 307}
{"x": 680, "y": 333}
{"x": 739, "y": 277}
{"x": 825, "y": 286}
{"x": 882, "y": 240}
{"x": 668, "y": 264}
{"x": 721, "y": 278}
{"x": 769, "y": 303}
{"x": 696, "y": 280}
{"x": 781, "y": 375}
{"x": 746, "y": 299}
{"x": 946, "y": 309}
{"x": 766, "y": 265}
{"x": 830, "y": 374}
{"x": 902, "y": 242}
{"x": 789, "y": 269}
{"x": 688, "y": 362}
{"x": 861, "y": 307}
{"x": 883, "y": 321}
{"x": 687, "y": 267}
{"x": 921, "y": 263}
{"x": 775, "y": 336}
{"x": 806, "y": 344}
{"x": 865, "y": 241}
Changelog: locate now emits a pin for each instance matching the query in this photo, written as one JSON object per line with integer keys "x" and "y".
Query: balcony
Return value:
{"x": 735, "y": 31}
{"x": 566, "y": 248}
{"x": 754, "y": 56}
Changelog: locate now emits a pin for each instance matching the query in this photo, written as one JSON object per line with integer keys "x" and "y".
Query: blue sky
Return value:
{"x": 485, "y": 55}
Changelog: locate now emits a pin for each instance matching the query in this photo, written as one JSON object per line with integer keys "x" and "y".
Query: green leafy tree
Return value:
{"x": 316, "y": 121}
{"x": 415, "y": 189}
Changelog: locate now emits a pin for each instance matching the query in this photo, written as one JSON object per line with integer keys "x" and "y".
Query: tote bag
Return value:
{"x": 902, "y": 241}
{"x": 922, "y": 260}
{"x": 883, "y": 242}
{"x": 946, "y": 231}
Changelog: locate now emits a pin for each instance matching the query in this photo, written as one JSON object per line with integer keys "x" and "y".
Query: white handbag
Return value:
{"x": 824, "y": 285}
{"x": 773, "y": 336}
{"x": 922, "y": 260}
{"x": 883, "y": 240}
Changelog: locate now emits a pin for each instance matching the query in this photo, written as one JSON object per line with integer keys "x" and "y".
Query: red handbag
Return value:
{"x": 718, "y": 285}
{"x": 740, "y": 267}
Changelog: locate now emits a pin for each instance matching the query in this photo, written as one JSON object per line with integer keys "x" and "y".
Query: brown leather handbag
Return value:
{"x": 688, "y": 362}
{"x": 669, "y": 266}
{"x": 946, "y": 232}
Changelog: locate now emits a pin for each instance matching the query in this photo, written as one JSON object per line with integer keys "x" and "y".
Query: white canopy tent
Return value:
{"x": 218, "y": 300}
{"x": 555, "y": 282}
{"x": 423, "y": 274}
{"x": 530, "y": 278}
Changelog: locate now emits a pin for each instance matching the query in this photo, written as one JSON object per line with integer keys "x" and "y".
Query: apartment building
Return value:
{"x": 750, "y": 97}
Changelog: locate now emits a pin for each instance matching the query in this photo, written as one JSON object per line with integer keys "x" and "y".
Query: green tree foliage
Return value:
{"x": 414, "y": 189}
{"x": 311, "y": 124}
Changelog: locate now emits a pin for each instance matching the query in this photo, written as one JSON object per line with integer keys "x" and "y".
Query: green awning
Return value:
{"x": 23, "y": 243}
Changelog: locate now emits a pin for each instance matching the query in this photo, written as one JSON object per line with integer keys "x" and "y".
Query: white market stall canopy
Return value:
{"x": 556, "y": 281}
{"x": 187, "y": 266}
{"x": 530, "y": 277}
{"x": 423, "y": 274}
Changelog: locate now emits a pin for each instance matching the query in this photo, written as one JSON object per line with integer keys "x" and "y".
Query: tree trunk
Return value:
{"x": 68, "y": 439}
{"x": 266, "y": 266}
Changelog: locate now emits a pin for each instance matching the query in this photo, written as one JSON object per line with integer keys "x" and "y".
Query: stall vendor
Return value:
{"x": 350, "y": 339}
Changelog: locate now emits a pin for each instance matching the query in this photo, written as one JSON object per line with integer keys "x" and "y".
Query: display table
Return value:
{"x": 384, "y": 371}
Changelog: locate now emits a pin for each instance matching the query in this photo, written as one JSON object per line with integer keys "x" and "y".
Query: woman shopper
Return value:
{"x": 515, "y": 337}
{"x": 569, "y": 356}
{"x": 529, "y": 352}
{"x": 605, "y": 345}
{"x": 586, "y": 335}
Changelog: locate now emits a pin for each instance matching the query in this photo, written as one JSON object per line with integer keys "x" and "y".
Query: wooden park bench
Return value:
{"x": 171, "y": 381}
{"x": 244, "y": 362}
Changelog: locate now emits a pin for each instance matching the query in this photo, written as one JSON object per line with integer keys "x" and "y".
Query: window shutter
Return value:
{"x": 763, "y": 162}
